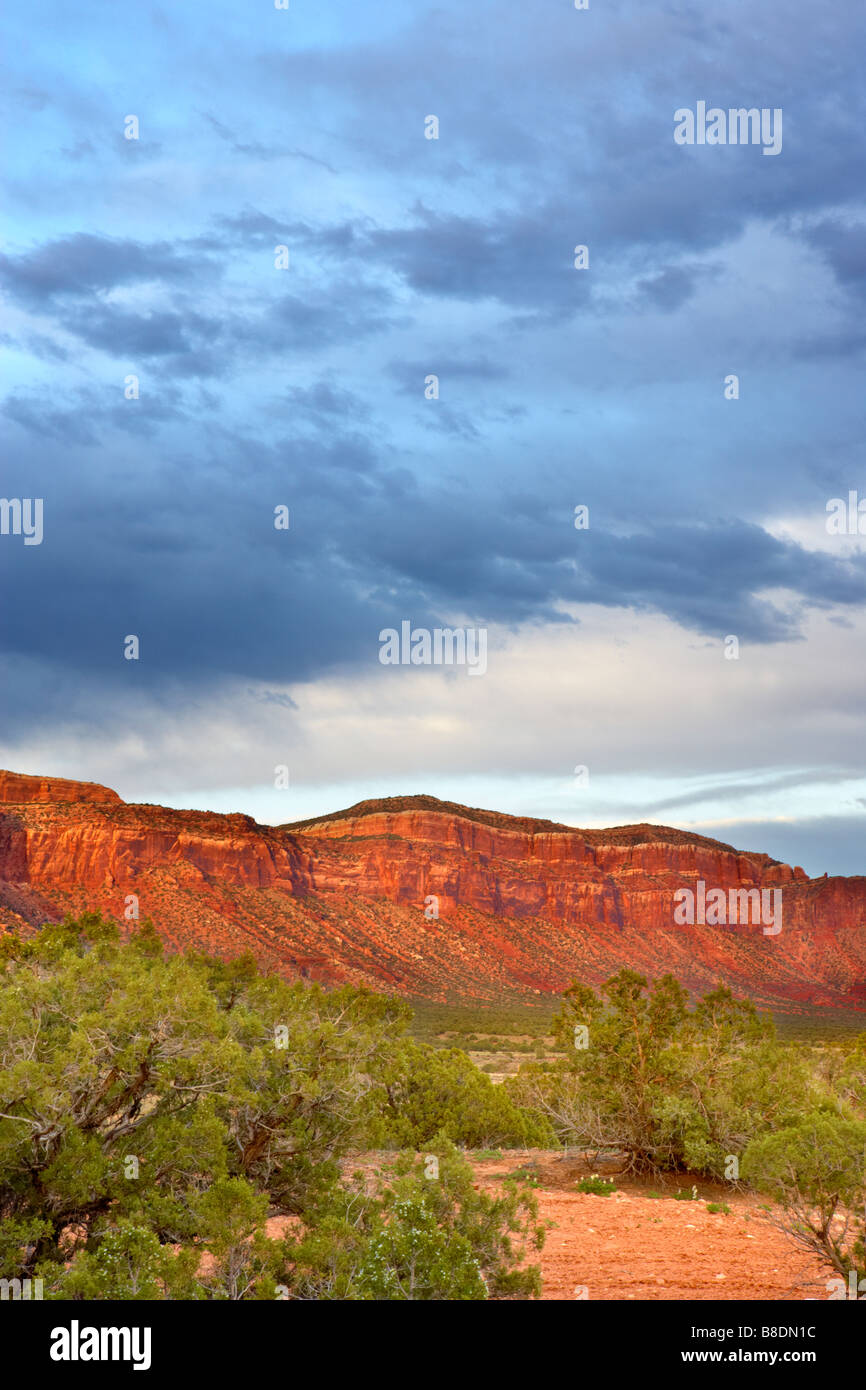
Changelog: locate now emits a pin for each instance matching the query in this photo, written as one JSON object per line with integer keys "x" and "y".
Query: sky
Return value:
{"x": 240, "y": 309}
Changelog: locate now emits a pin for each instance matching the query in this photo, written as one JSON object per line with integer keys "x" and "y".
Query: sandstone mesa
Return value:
{"x": 524, "y": 905}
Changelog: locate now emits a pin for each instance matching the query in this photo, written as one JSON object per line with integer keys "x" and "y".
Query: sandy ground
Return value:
{"x": 633, "y": 1246}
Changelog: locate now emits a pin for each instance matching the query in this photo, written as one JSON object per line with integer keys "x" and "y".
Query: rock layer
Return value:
{"x": 524, "y": 905}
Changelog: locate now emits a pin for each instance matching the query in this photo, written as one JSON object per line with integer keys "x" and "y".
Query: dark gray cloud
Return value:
{"x": 85, "y": 263}
{"x": 843, "y": 245}
{"x": 411, "y": 376}
{"x": 123, "y": 332}
{"x": 68, "y": 281}
{"x": 672, "y": 287}
{"x": 89, "y": 418}
{"x": 324, "y": 405}
{"x": 191, "y": 562}
{"x": 409, "y": 257}
{"x": 818, "y": 844}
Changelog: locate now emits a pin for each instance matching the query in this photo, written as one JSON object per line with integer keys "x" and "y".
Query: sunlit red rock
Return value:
{"x": 523, "y": 905}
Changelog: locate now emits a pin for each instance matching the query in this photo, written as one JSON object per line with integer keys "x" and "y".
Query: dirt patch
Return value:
{"x": 631, "y": 1245}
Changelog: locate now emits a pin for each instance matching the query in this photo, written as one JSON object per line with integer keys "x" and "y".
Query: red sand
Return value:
{"x": 632, "y": 1246}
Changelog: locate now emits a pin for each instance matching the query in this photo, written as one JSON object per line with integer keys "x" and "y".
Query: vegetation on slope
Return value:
{"x": 712, "y": 1091}
{"x": 156, "y": 1110}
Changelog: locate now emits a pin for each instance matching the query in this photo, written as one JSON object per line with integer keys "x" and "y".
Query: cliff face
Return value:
{"x": 523, "y": 905}
{"x": 627, "y": 874}
{"x": 16, "y": 788}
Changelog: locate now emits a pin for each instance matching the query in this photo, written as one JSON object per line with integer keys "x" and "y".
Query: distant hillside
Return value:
{"x": 524, "y": 905}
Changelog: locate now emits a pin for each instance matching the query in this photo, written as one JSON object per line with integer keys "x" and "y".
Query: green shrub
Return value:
{"x": 675, "y": 1088}
{"x": 431, "y": 1091}
{"x": 600, "y": 1187}
{"x": 155, "y": 1110}
{"x": 815, "y": 1170}
{"x": 418, "y": 1238}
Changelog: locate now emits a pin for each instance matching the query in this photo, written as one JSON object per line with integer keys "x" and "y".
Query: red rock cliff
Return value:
{"x": 523, "y": 905}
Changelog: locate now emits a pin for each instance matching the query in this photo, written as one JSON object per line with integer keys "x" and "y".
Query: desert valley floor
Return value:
{"x": 633, "y": 1246}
